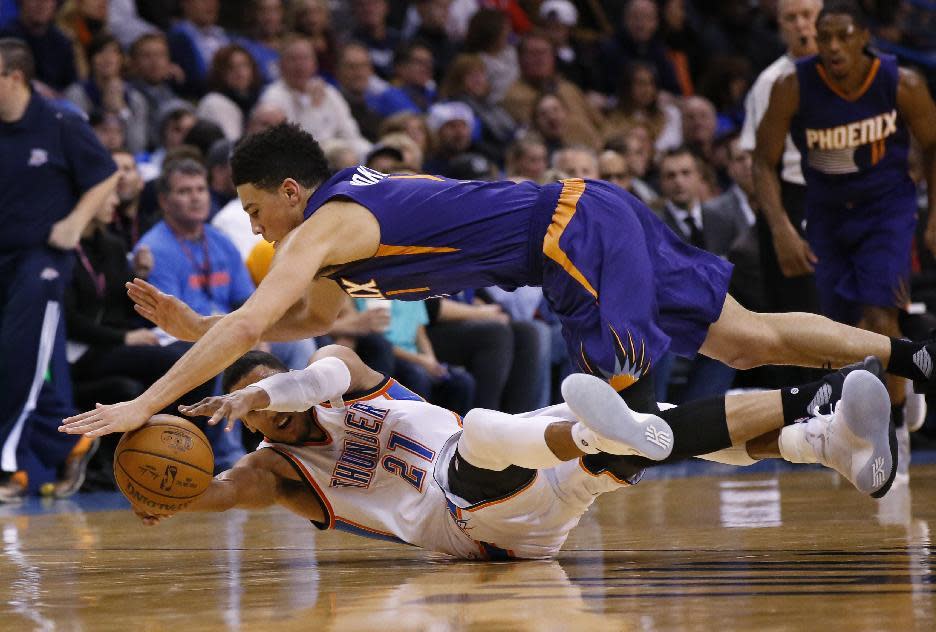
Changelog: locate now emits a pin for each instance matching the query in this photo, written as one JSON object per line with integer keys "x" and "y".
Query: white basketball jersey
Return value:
{"x": 374, "y": 471}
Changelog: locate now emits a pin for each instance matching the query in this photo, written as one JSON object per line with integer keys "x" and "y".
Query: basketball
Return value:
{"x": 164, "y": 465}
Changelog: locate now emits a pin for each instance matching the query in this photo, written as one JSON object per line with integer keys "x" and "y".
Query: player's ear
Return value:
{"x": 290, "y": 190}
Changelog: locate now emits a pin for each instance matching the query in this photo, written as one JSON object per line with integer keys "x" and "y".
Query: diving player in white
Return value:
{"x": 384, "y": 463}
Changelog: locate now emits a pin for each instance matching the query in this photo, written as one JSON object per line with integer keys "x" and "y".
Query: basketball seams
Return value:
{"x": 168, "y": 458}
{"x": 146, "y": 487}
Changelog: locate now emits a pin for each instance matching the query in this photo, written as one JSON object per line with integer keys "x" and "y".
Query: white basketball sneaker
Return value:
{"x": 857, "y": 440}
{"x": 610, "y": 426}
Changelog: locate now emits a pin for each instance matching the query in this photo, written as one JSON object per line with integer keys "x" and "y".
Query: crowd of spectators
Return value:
{"x": 647, "y": 94}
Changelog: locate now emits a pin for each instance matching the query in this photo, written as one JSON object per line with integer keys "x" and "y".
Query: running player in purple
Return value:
{"x": 850, "y": 112}
{"x": 624, "y": 286}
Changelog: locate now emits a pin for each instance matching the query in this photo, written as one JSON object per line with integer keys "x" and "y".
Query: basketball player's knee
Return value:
{"x": 753, "y": 342}
{"x": 481, "y": 439}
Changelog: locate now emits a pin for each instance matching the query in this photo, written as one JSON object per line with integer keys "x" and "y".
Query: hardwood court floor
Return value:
{"x": 789, "y": 551}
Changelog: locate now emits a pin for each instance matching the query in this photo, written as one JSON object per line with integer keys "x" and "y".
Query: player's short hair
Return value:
{"x": 247, "y": 363}
{"x": 284, "y": 151}
{"x": 845, "y": 7}
{"x": 16, "y": 55}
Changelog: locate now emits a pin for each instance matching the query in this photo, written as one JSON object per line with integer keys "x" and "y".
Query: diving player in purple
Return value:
{"x": 625, "y": 288}
{"x": 850, "y": 112}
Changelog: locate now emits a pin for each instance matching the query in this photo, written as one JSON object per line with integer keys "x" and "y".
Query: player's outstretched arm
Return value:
{"x": 334, "y": 371}
{"x": 338, "y": 233}
{"x": 917, "y": 108}
{"x": 259, "y": 479}
{"x": 793, "y": 253}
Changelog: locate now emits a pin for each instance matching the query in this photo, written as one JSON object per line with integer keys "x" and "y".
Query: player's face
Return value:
{"x": 841, "y": 43}
{"x": 277, "y": 427}
{"x": 273, "y": 214}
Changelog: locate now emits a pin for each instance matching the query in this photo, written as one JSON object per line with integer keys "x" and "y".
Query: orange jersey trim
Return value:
{"x": 406, "y": 291}
{"x": 857, "y": 94}
{"x": 391, "y": 251}
{"x": 572, "y": 190}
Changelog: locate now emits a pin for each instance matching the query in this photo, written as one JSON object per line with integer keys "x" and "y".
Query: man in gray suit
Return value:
{"x": 712, "y": 227}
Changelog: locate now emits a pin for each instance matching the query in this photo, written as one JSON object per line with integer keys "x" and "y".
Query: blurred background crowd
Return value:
{"x": 647, "y": 94}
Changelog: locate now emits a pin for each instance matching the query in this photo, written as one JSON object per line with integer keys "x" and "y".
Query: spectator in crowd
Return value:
{"x": 552, "y": 122}
{"x": 527, "y": 159}
{"x": 410, "y": 123}
{"x": 130, "y": 223}
{"x": 699, "y": 126}
{"x": 639, "y": 102}
{"x": 575, "y": 60}
{"x": 176, "y": 118}
{"x": 576, "y": 161}
{"x": 234, "y": 82}
{"x": 196, "y": 263}
{"x": 466, "y": 81}
{"x": 415, "y": 361}
{"x": 488, "y": 36}
{"x": 711, "y": 228}
{"x": 614, "y": 168}
{"x": 739, "y": 28}
{"x": 312, "y": 20}
{"x": 410, "y": 157}
{"x": 307, "y": 100}
{"x": 384, "y": 158}
{"x": 537, "y": 76}
{"x": 451, "y": 124}
{"x": 371, "y": 29}
{"x": 153, "y": 75}
{"x": 433, "y": 22}
{"x": 54, "y": 176}
{"x": 638, "y": 39}
{"x": 340, "y": 155}
{"x": 106, "y": 90}
{"x": 725, "y": 84}
{"x": 109, "y": 129}
{"x": 413, "y": 89}
{"x": 125, "y": 23}
{"x": 360, "y": 87}
{"x": 220, "y": 184}
{"x": 52, "y": 50}
{"x": 193, "y": 42}
{"x": 265, "y": 35}
{"x": 82, "y": 21}
{"x": 264, "y": 116}
{"x": 740, "y": 200}
{"x": 682, "y": 37}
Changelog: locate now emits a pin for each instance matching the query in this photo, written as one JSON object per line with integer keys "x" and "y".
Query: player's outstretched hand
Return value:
{"x": 232, "y": 406}
{"x": 107, "y": 418}
{"x": 165, "y": 311}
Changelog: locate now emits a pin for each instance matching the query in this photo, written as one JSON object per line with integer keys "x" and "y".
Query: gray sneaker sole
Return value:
{"x": 866, "y": 404}
{"x": 601, "y": 409}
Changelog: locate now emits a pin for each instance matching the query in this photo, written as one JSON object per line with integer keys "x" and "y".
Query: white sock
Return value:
{"x": 793, "y": 444}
